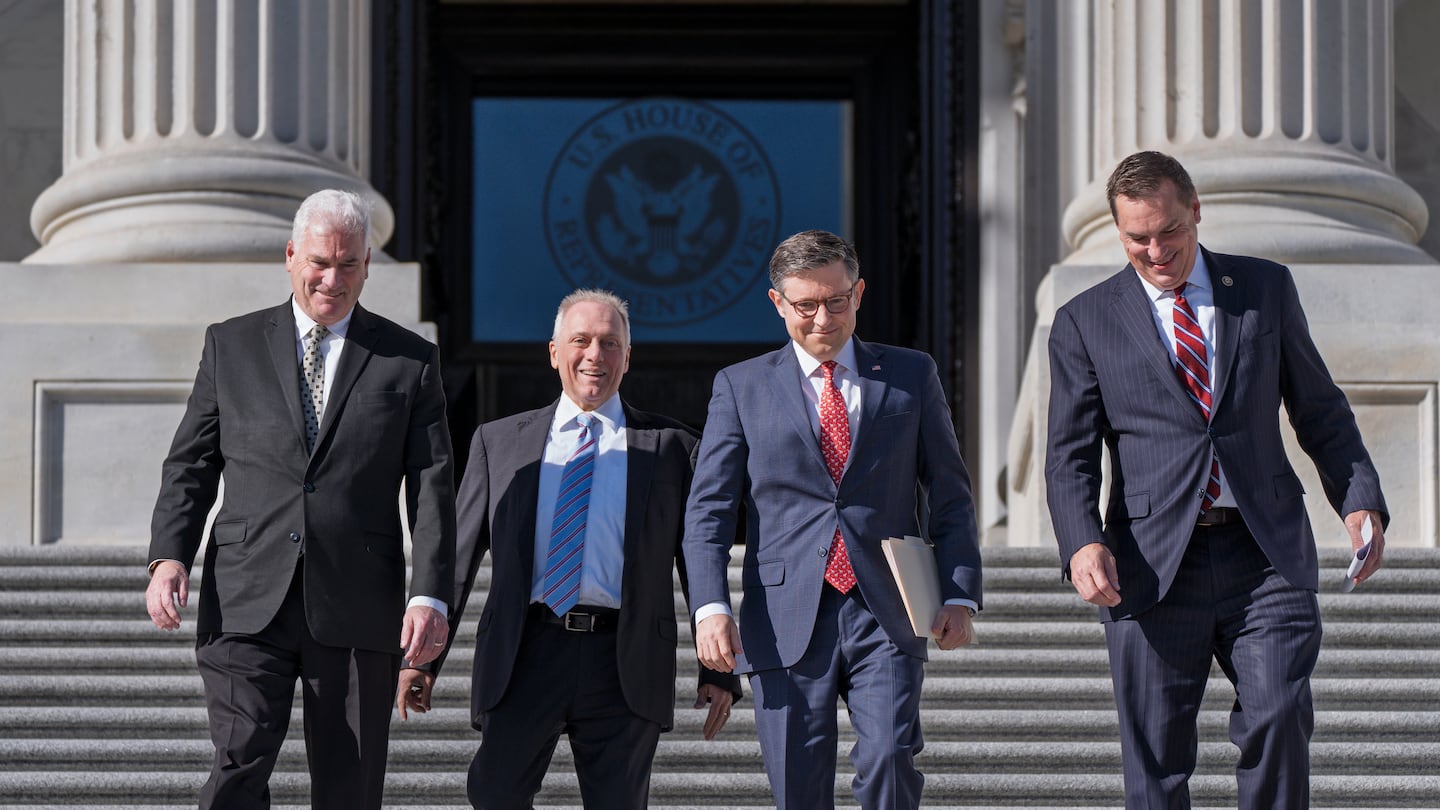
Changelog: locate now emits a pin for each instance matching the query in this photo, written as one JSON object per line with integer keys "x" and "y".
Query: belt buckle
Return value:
{"x": 579, "y": 622}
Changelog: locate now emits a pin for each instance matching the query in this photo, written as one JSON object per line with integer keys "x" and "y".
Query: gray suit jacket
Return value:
{"x": 497, "y": 514}
{"x": 1113, "y": 384}
{"x": 384, "y": 422}
{"x": 760, "y": 453}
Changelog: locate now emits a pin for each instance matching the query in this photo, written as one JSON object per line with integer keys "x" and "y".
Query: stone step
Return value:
{"x": 1067, "y": 635}
{"x": 451, "y": 721}
{"x": 1000, "y": 608}
{"x": 724, "y": 789}
{"x": 1057, "y": 693}
{"x": 970, "y": 662}
{"x": 678, "y": 753}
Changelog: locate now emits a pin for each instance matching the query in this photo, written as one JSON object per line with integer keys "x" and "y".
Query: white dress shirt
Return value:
{"x": 604, "y": 556}
{"x": 1201, "y": 295}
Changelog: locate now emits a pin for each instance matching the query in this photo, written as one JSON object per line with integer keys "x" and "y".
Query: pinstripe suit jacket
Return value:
{"x": 1113, "y": 384}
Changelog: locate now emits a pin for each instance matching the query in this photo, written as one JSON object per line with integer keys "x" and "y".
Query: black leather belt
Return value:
{"x": 582, "y": 619}
{"x": 1219, "y": 516}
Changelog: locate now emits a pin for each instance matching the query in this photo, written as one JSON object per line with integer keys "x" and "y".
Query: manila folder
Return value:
{"x": 912, "y": 561}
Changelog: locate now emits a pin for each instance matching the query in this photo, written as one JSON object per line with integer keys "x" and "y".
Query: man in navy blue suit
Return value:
{"x": 1178, "y": 366}
{"x": 830, "y": 445}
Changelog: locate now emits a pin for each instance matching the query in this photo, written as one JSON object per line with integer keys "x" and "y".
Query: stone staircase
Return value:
{"x": 100, "y": 709}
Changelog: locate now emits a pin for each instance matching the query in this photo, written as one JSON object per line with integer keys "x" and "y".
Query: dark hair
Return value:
{"x": 812, "y": 250}
{"x": 1141, "y": 175}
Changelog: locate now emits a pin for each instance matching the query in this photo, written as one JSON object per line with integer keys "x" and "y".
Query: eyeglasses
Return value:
{"x": 836, "y": 305}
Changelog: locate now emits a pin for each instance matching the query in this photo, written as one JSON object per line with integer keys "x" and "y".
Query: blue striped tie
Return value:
{"x": 567, "y": 531}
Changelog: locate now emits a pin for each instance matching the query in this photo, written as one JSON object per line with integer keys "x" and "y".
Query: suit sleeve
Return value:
{"x": 430, "y": 488}
{"x": 725, "y": 680}
{"x": 1077, "y": 424}
{"x": 472, "y": 537}
{"x": 716, "y": 494}
{"x": 1321, "y": 416}
{"x": 946, "y": 485}
{"x": 190, "y": 475}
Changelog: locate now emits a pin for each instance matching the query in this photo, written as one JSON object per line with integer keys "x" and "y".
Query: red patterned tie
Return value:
{"x": 1194, "y": 371}
{"x": 835, "y": 445}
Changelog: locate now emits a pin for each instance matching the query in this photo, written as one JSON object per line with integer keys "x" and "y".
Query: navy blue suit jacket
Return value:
{"x": 760, "y": 452}
{"x": 1113, "y": 384}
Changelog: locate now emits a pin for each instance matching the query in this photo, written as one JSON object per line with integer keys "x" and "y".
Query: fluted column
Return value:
{"x": 1281, "y": 111}
{"x": 194, "y": 128}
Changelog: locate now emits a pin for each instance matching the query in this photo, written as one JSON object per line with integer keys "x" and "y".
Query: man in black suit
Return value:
{"x": 581, "y": 505}
{"x": 1178, "y": 365}
{"x": 315, "y": 412}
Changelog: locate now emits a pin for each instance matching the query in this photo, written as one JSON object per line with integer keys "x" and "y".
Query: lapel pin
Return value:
{"x": 1227, "y": 281}
{"x": 875, "y": 367}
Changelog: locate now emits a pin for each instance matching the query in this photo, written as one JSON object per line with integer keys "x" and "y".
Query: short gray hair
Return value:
{"x": 597, "y": 296}
{"x": 342, "y": 211}
{"x": 812, "y": 250}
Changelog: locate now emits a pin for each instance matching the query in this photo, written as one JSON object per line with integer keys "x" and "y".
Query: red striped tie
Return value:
{"x": 835, "y": 445}
{"x": 1194, "y": 370}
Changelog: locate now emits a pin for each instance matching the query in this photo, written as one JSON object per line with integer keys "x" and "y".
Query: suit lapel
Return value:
{"x": 641, "y": 445}
{"x": 785, "y": 382}
{"x": 360, "y": 341}
{"x": 1136, "y": 314}
{"x": 874, "y": 376}
{"x": 280, "y": 335}
{"x": 1229, "y": 306}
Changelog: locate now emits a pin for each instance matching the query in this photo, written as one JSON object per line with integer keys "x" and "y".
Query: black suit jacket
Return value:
{"x": 497, "y": 503}
{"x": 1113, "y": 383}
{"x": 384, "y": 422}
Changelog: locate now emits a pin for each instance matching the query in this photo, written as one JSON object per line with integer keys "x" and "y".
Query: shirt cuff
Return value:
{"x": 430, "y": 602}
{"x": 969, "y": 603}
{"x": 154, "y": 563}
{"x": 712, "y": 609}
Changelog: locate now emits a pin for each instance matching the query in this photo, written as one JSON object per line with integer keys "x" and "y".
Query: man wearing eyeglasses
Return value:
{"x": 830, "y": 445}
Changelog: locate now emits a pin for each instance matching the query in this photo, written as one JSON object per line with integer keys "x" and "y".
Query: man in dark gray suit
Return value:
{"x": 315, "y": 412}
{"x": 1178, "y": 365}
{"x": 580, "y": 505}
{"x": 829, "y": 445}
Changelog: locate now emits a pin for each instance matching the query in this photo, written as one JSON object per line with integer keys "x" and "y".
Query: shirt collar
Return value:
{"x": 1199, "y": 277}
{"x": 845, "y": 359}
{"x": 303, "y": 322}
{"x": 611, "y": 413}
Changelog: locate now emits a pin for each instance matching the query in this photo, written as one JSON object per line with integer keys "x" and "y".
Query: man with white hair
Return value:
{"x": 316, "y": 412}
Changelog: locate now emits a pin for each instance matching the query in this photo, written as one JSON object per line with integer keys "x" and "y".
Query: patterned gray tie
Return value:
{"x": 312, "y": 379}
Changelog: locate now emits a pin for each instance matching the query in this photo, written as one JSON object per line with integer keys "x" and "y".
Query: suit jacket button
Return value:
{"x": 294, "y": 537}
{"x": 822, "y": 552}
{"x": 309, "y": 487}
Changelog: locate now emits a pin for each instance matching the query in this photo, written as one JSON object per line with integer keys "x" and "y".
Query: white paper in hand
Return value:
{"x": 1367, "y": 533}
{"x": 912, "y": 561}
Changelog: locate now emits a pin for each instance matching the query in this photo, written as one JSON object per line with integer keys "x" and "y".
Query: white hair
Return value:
{"x": 605, "y": 297}
{"x": 344, "y": 212}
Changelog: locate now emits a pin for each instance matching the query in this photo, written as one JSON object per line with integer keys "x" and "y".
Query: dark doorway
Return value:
{"x": 896, "y": 67}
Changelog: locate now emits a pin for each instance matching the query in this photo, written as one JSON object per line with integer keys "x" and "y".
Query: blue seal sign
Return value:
{"x": 668, "y": 202}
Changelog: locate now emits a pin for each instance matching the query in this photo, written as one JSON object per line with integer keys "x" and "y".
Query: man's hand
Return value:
{"x": 1353, "y": 522}
{"x": 952, "y": 627}
{"x": 1092, "y": 572}
{"x": 413, "y": 693}
{"x": 168, "y": 591}
{"x": 719, "y": 701}
{"x": 423, "y": 634}
{"x": 717, "y": 642}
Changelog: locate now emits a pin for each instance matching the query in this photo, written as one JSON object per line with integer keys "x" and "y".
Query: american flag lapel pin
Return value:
{"x": 875, "y": 367}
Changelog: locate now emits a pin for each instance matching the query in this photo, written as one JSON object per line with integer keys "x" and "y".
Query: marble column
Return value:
{"x": 1280, "y": 109}
{"x": 193, "y": 128}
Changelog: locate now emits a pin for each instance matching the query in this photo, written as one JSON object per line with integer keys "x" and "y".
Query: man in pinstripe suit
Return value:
{"x": 1178, "y": 365}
